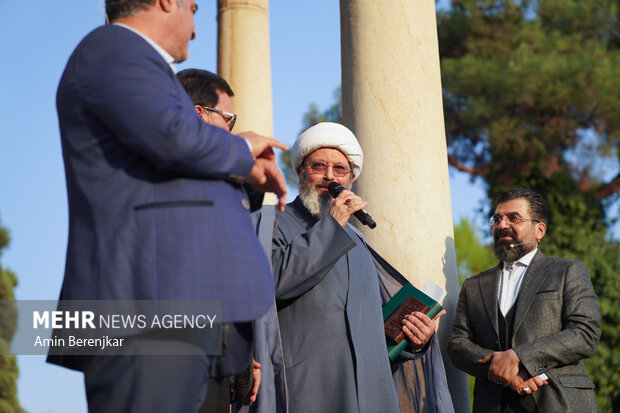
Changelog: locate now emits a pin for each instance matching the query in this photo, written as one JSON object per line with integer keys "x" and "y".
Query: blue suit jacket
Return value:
{"x": 154, "y": 212}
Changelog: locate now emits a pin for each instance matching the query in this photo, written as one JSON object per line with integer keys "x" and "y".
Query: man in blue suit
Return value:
{"x": 155, "y": 210}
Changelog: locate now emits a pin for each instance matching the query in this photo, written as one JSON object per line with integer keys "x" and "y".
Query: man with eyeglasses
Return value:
{"x": 524, "y": 327}
{"x": 329, "y": 293}
{"x": 211, "y": 96}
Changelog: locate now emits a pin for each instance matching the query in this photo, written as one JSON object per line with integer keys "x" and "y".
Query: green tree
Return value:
{"x": 531, "y": 99}
{"x": 472, "y": 256}
{"x": 531, "y": 90}
{"x": 8, "y": 325}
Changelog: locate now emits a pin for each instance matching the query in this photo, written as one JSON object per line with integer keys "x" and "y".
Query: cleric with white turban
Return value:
{"x": 328, "y": 135}
{"x": 328, "y": 291}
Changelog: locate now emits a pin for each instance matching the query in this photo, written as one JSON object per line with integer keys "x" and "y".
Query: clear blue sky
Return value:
{"x": 36, "y": 39}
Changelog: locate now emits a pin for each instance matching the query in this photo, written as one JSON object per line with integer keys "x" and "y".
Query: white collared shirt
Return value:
{"x": 164, "y": 54}
{"x": 511, "y": 280}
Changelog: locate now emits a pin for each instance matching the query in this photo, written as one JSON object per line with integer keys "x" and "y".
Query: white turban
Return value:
{"x": 328, "y": 135}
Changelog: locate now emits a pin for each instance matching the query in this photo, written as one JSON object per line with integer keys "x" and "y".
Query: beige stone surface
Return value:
{"x": 244, "y": 61}
{"x": 392, "y": 101}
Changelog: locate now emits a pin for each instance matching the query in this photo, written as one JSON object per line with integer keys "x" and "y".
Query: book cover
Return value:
{"x": 405, "y": 301}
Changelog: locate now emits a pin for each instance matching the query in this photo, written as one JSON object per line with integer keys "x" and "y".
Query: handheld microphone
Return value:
{"x": 335, "y": 189}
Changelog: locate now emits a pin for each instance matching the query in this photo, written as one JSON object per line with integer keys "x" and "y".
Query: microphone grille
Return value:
{"x": 335, "y": 189}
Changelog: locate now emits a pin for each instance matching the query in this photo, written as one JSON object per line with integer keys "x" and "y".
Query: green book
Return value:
{"x": 394, "y": 311}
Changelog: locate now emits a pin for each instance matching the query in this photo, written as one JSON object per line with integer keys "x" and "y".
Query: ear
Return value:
{"x": 199, "y": 109}
{"x": 167, "y": 5}
{"x": 541, "y": 230}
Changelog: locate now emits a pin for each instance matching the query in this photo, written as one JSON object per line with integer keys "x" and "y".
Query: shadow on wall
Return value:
{"x": 457, "y": 380}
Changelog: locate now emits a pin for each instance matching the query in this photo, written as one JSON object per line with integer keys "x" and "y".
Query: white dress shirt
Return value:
{"x": 511, "y": 280}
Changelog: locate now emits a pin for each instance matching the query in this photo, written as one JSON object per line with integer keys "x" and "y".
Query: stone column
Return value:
{"x": 392, "y": 101}
{"x": 244, "y": 60}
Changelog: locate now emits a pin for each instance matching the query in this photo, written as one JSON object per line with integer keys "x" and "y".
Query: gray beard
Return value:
{"x": 317, "y": 205}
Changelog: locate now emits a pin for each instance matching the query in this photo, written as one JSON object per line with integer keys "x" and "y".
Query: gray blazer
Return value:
{"x": 556, "y": 326}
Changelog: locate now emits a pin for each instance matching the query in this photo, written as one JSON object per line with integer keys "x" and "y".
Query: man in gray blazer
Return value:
{"x": 524, "y": 327}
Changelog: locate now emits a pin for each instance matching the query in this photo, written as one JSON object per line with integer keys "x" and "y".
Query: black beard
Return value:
{"x": 503, "y": 249}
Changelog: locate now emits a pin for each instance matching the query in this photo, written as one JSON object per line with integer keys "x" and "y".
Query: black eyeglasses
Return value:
{"x": 229, "y": 117}
{"x": 321, "y": 167}
{"x": 512, "y": 219}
